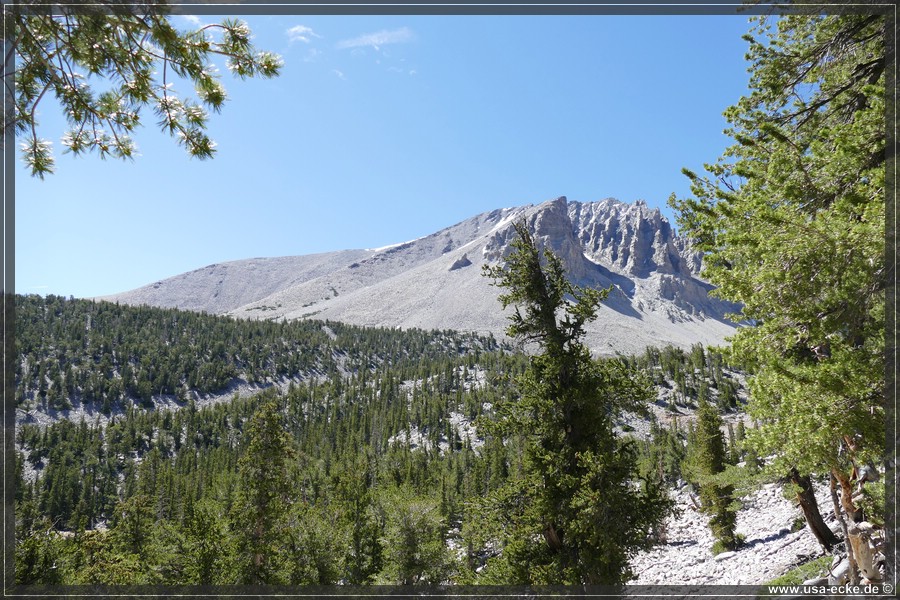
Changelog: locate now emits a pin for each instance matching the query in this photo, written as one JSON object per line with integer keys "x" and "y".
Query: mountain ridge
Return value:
{"x": 436, "y": 282}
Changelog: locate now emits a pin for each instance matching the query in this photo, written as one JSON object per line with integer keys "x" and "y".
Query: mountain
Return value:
{"x": 436, "y": 282}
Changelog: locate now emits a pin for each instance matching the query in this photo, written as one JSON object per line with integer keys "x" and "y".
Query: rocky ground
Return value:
{"x": 771, "y": 547}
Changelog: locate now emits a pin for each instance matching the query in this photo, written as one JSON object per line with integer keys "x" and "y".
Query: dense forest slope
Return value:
{"x": 101, "y": 354}
{"x": 378, "y": 433}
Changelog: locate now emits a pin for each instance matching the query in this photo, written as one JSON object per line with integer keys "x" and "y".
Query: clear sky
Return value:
{"x": 382, "y": 129}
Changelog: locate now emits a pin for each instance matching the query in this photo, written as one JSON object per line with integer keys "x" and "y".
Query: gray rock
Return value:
{"x": 868, "y": 473}
{"x": 459, "y": 263}
{"x": 764, "y": 557}
{"x": 724, "y": 556}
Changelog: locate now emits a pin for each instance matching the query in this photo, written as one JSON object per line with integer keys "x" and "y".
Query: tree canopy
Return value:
{"x": 792, "y": 221}
{"x": 107, "y": 63}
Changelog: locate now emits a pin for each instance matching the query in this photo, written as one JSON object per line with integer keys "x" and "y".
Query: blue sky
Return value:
{"x": 383, "y": 129}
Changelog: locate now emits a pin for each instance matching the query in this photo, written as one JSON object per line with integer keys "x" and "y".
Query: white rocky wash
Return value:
{"x": 460, "y": 423}
{"x": 771, "y": 548}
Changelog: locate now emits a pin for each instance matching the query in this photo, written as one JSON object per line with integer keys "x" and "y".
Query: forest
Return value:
{"x": 367, "y": 463}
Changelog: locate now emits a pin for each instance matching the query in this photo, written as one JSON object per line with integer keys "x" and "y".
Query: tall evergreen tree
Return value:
{"x": 792, "y": 221}
{"x": 362, "y": 519}
{"x": 575, "y": 515}
{"x": 266, "y": 471}
{"x": 706, "y": 458}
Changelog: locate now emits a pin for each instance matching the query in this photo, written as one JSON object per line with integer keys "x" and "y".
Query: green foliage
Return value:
{"x": 362, "y": 519}
{"x": 266, "y": 472}
{"x": 719, "y": 546}
{"x": 176, "y": 487}
{"x": 700, "y": 372}
{"x": 872, "y": 503}
{"x": 541, "y": 291}
{"x": 796, "y": 576}
{"x": 207, "y": 544}
{"x": 316, "y": 547}
{"x": 661, "y": 456}
{"x": 414, "y": 540}
{"x": 705, "y": 459}
{"x": 792, "y": 221}
{"x": 132, "y": 525}
{"x": 573, "y": 515}
{"x": 97, "y": 560}
{"x": 107, "y": 355}
{"x": 380, "y": 420}
{"x": 38, "y": 551}
{"x": 105, "y": 65}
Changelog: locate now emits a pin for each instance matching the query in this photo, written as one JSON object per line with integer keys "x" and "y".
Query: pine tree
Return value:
{"x": 316, "y": 541}
{"x": 363, "y": 520}
{"x": 415, "y": 544}
{"x": 801, "y": 241}
{"x": 265, "y": 496}
{"x": 38, "y": 550}
{"x": 574, "y": 515}
{"x": 138, "y": 53}
{"x": 792, "y": 220}
{"x": 132, "y": 525}
{"x": 209, "y": 544}
{"x": 707, "y": 458}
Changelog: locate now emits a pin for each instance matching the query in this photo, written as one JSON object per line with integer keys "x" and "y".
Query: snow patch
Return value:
{"x": 389, "y": 246}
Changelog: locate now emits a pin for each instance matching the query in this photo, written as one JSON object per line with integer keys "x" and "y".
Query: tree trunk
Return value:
{"x": 863, "y": 550}
{"x": 854, "y": 572}
{"x": 806, "y": 497}
{"x": 853, "y": 512}
{"x": 552, "y": 538}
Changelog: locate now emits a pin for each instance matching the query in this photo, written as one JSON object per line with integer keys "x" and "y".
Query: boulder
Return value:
{"x": 461, "y": 262}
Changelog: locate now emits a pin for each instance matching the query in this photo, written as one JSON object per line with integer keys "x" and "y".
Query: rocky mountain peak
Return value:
{"x": 436, "y": 281}
{"x": 632, "y": 238}
{"x": 553, "y": 227}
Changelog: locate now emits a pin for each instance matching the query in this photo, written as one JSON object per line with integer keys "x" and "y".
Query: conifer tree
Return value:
{"x": 316, "y": 541}
{"x": 38, "y": 550}
{"x": 792, "y": 220}
{"x": 414, "y": 539}
{"x": 209, "y": 544}
{"x": 133, "y": 525}
{"x": 575, "y": 514}
{"x": 362, "y": 519}
{"x": 264, "y": 497}
{"x": 707, "y": 458}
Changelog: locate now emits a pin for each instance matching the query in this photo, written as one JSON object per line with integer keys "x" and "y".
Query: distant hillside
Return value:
{"x": 98, "y": 357}
{"x": 436, "y": 282}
